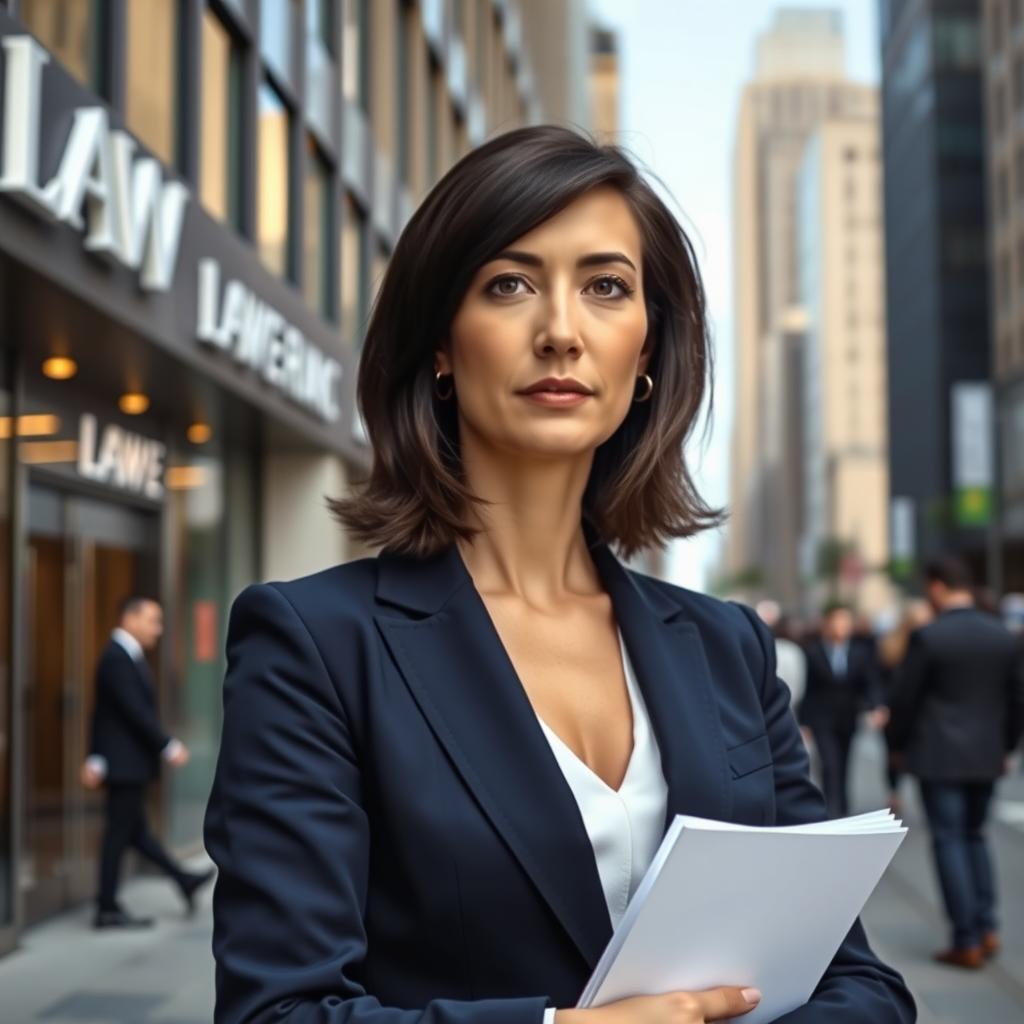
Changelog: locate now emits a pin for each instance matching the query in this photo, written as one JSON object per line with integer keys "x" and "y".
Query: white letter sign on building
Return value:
{"x": 121, "y": 459}
{"x": 131, "y": 214}
{"x": 257, "y": 336}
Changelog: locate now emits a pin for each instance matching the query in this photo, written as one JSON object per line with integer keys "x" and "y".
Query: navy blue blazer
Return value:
{"x": 396, "y": 842}
{"x": 125, "y": 727}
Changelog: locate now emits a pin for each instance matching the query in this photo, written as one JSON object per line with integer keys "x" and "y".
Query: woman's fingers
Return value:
{"x": 726, "y": 1002}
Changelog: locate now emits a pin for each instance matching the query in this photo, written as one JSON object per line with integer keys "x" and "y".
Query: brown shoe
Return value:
{"x": 990, "y": 944}
{"x": 972, "y": 957}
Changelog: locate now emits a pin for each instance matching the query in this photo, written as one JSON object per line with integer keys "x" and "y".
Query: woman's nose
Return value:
{"x": 559, "y": 332}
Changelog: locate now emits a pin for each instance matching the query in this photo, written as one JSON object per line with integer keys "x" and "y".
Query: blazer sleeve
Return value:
{"x": 857, "y": 988}
{"x": 288, "y": 831}
{"x": 124, "y": 693}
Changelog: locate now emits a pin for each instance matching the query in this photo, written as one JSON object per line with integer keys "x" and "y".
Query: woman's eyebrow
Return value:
{"x": 591, "y": 259}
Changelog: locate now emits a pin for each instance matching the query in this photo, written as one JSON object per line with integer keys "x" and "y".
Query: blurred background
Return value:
{"x": 176, "y": 400}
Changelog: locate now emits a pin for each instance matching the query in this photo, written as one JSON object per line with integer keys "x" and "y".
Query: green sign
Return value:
{"x": 973, "y": 506}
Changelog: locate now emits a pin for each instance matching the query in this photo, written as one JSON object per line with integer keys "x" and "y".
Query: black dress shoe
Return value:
{"x": 191, "y": 884}
{"x": 120, "y": 919}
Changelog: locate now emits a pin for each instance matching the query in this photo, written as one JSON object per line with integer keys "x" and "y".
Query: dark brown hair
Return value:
{"x": 950, "y": 570}
{"x": 640, "y": 492}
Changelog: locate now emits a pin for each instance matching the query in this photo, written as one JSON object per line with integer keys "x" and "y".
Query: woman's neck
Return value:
{"x": 531, "y": 543}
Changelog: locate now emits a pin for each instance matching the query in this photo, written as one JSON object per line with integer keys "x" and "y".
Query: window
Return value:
{"x": 277, "y": 25}
{"x": 997, "y": 27}
{"x": 320, "y": 51}
{"x": 220, "y": 123}
{"x": 273, "y": 224}
{"x": 957, "y": 41}
{"x": 352, "y": 269}
{"x": 151, "y": 47}
{"x": 999, "y": 109}
{"x": 1002, "y": 196}
{"x": 435, "y": 99}
{"x": 356, "y": 61}
{"x": 317, "y": 276}
{"x": 72, "y": 30}
{"x": 404, "y": 40}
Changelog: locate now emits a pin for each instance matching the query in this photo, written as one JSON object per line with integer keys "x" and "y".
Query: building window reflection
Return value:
{"x": 352, "y": 286}
{"x": 152, "y": 54}
{"x": 73, "y": 31}
{"x": 317, "y": 276}
{"x": 221, "y": 124}
{"x": 355, "y": 62}
{"x": 277, "y": 21}
{"x": 274, "y": 167}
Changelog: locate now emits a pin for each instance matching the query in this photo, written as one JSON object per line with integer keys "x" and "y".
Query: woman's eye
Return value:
{"x": 506, "y": 286}
{"x": 605, "y": 287}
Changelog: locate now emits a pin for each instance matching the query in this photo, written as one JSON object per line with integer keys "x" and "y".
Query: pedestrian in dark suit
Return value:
{"x": 127, "y": 746}
{"x": 410, "y": 811}
{"x": 957, "y": 711}
{"x": 843, "y": 680}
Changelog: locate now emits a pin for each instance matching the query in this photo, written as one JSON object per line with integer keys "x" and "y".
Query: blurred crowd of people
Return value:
{"x": 944, "y": 686}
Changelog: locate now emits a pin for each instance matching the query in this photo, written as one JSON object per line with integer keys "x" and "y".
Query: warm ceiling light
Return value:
{"x": 60, "y": 368}
{"x": 199, "y": 433}
{"x": 133, "y": 403}
{"x": 185, "y": 478}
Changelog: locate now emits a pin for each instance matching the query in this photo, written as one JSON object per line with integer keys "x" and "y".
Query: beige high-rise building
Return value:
{"x": 844, "y": 407}
{"x": 799, "y": 83}
{"x": 604, "y": 83}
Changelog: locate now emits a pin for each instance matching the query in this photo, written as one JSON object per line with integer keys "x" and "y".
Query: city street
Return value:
{"x": 67, "y": 975}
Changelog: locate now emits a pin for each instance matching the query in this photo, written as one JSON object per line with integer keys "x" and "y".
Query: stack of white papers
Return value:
{"x": 725, "y": 904}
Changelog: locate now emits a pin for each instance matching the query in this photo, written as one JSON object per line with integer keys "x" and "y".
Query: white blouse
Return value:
{"x": 626, "y": 825}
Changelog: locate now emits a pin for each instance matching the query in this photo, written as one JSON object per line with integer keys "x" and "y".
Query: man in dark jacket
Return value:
{"x": 126, "y": 749}
{"x": 957, "y": 711}
{"x": 843, "y": 680}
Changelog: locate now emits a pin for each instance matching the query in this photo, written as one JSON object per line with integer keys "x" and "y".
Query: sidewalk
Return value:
{"x": 67, "y": 974}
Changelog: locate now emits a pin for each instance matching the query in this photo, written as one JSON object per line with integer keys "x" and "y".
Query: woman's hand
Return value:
{"x": 671, "y": 1008}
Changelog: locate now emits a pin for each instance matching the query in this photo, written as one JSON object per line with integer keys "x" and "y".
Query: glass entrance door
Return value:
{"x": 84, "y": 556}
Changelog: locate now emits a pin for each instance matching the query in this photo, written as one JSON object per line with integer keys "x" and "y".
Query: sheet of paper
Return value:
{"x": 724, "y": 904}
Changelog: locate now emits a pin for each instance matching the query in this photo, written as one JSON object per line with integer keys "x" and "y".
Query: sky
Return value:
{"x": 683, "y": 64}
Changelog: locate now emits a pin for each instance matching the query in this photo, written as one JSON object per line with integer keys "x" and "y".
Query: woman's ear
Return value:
{"x": 442, "y": 363}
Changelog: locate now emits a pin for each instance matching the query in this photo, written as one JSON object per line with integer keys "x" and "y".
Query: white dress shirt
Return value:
{"x": 133, "y": 648}
{"x": 626, "y": 825}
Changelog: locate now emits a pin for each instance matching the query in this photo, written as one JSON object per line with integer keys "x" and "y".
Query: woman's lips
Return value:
{"x": 555, "y": 399}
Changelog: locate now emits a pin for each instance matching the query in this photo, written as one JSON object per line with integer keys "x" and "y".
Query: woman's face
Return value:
{"x": 564, "y": 301}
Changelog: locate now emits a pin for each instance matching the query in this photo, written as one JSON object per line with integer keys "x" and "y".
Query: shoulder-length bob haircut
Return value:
{"x": 640, "y": 492}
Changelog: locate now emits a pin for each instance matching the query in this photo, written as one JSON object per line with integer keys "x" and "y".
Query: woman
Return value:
{"x": 445, "y": 769}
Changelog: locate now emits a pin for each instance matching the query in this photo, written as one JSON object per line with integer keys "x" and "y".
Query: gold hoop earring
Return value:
{"x": 647, "y": 393}
{"x": 451, "y": 390}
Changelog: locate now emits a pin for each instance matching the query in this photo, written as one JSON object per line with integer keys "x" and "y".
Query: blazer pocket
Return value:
{"x": 749, "y": 756}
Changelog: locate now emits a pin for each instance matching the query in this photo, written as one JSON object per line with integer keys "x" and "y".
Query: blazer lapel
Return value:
{"x": 461, "y": 677}
{"x": 671, "y": 667}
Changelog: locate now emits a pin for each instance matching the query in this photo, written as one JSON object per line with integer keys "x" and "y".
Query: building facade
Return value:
{"x": 844, "y": 547}
{"x": 939, "y": 367}
{"x": 799, "y": 83}
{"x": 1004, "y": 95}
{"x": 197, "y": 202}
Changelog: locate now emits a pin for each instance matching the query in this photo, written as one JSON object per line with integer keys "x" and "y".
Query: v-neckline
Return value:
{"x": 552, "y": 734}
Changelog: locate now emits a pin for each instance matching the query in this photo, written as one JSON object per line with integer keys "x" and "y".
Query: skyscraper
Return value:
{"x": 936, "y": 278}
{"x": 799, "y": 82}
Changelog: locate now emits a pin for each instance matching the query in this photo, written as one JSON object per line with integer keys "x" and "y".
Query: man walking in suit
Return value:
{"x": 127, "y": 747}
{"x": 957, "y": 711}
{"x": 842, "y": 681}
